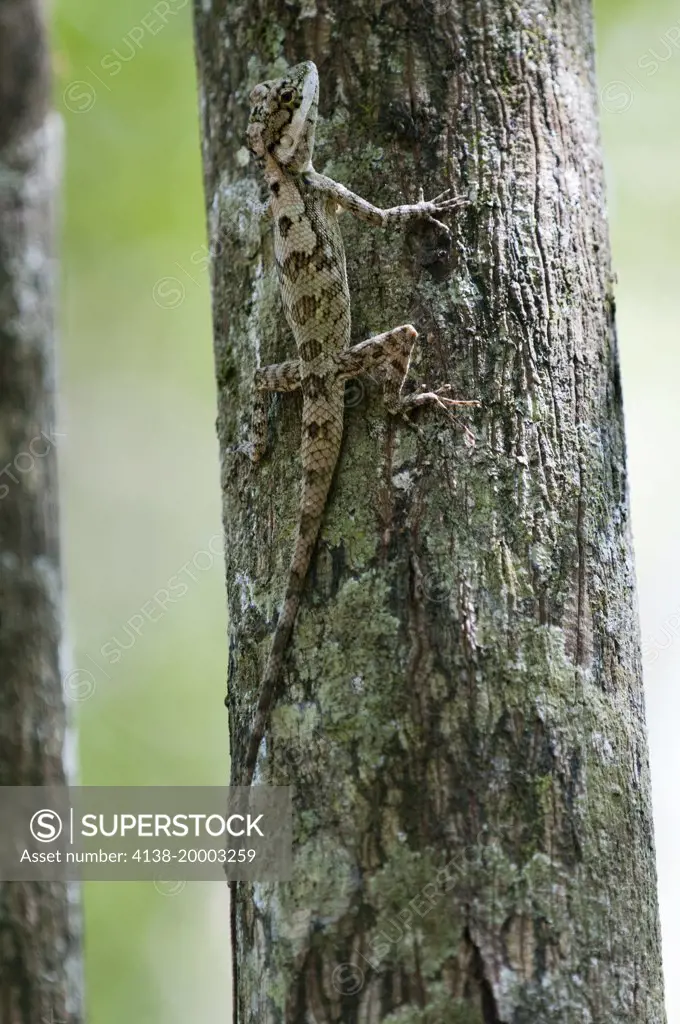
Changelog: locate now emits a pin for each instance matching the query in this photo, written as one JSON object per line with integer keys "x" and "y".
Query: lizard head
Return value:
{"x": 283, "y": 117}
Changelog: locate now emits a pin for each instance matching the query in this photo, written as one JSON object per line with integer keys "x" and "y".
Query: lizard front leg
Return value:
{"x": 281, "y": 377}
{"x": 377, "y": 216}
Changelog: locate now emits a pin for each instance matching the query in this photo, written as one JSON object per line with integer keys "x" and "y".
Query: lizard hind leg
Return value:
{"x": 277, "y": 377}
{"x": 388, "y": 356}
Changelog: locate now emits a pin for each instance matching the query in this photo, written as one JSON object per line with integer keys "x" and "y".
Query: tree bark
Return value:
{"x": 462, "y": 719}
{"x": 40, "y": 969}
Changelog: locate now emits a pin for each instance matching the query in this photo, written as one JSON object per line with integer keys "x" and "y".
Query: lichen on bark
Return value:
{"x": 462, "y": 718}
{"x": 40, "y": 925}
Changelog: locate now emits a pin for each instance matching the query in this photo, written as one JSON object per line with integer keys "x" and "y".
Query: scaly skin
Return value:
{"x": 310, "y": 260}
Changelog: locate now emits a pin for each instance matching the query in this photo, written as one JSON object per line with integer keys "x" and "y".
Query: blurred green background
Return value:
{"x": 139, "y": 466}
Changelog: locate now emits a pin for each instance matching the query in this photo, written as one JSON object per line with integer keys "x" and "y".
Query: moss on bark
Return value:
{"x": 463, "y": 718}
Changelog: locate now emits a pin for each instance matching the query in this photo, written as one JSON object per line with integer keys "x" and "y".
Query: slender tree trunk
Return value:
{"x": 463, "y": 719}
{"x": 40, "y": 967}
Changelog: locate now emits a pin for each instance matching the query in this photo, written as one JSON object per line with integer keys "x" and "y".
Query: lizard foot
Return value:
{"x": 442, "y": 399}
{"x": 429, "y": 209}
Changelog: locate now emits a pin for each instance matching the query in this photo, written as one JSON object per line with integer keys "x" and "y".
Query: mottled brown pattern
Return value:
{"x": 305, "y": 308}
{"x": 309, "y": 349}
{"x": 310, "y": 260}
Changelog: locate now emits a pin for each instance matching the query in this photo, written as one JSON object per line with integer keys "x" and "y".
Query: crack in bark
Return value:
{"x": 422, "y": 727}
{"x": 490, "y": 1012}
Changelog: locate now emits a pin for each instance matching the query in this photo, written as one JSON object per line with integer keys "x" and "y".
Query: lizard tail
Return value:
{"x": 313, "y": 502}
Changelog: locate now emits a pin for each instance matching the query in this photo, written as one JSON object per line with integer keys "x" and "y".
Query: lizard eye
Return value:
{"x": 287, "y": 96}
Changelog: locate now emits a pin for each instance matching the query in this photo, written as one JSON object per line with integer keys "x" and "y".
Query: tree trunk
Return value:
{"x": 462, "y": 719}
{"x": 40, "y": 971}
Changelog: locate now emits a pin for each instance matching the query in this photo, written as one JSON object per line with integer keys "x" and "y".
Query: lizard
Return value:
{"x": 310, "y": 263}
